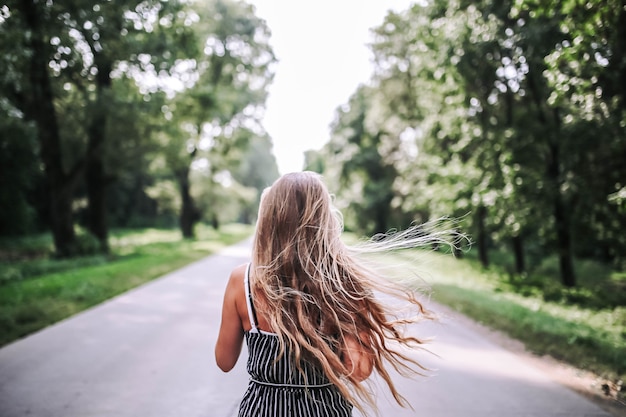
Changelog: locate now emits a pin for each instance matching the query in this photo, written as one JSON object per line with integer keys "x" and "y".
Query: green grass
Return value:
{"x": 35, "y": 293}
{"x": 584, "y": 334}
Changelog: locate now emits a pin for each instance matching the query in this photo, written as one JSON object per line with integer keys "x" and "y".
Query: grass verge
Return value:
{"x": 38, "y": 292}
{"x": 591, "y": 339}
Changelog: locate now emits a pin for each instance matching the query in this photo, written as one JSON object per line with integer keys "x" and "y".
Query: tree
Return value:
{"x": 257, "y": 170}
{"x": 61, "y": 67}
{"x": 226, "y": 95}
{"x": 503, "y": 93}
{"x": 423, "y": 108}
{"x": 493, "y": 108}
{"x": 551, "y": 136}
{"x": 355, "y": 156}
{"x": 29, "y": 89}
{"x": 586, "y": 72}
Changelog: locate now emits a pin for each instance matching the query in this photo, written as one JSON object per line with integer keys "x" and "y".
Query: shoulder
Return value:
{"x": 238, "y": 272}
{"x": 235, "y": 287}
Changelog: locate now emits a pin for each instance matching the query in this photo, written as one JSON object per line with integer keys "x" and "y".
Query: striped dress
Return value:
{"x": 278, "y": 389}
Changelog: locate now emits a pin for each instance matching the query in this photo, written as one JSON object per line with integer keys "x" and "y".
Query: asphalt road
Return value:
{"x": 149, "y": 353}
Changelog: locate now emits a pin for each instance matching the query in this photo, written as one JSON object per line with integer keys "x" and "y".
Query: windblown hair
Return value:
{"x": 314, "y": 291}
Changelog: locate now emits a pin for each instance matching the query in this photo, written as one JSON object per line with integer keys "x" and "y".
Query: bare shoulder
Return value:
{"x": 235, "y": 281}
{"x": 238, "y": 272}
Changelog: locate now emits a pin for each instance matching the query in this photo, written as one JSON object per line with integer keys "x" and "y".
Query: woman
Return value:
{"x": 307, "y": 310}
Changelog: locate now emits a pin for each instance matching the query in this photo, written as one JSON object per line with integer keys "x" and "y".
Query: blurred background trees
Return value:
{"x": 507, "y": 115}
{"x": 108, "y": 107}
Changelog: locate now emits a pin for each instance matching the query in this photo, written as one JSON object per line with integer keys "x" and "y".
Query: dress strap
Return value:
{"x": 251, "y": 311}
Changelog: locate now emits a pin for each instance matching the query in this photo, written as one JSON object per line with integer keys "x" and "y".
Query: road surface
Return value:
{"x": 149, "y": 353}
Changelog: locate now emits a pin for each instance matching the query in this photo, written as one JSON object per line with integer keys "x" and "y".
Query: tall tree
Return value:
{"x": 228, "y": 90}
{"x": 513, "y": 111}
{"x": 586, "y": 72}
{"x": 29, "y": 87}
{"x": 424, "y": 108}
{"x": 356, "y": 156}
{"x": 135, "y": 37}
{"x": 60, "y": 69}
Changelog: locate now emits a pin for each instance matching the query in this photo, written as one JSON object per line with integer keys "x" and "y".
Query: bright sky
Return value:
{"x": 323, "y": 57}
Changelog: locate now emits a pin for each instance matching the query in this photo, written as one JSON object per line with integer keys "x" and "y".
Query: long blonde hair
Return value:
{"x": 314, "y": 291}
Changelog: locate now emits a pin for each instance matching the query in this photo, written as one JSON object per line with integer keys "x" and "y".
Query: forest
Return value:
{"x": 130, "y": 114}
{"x": 508, "y": 116}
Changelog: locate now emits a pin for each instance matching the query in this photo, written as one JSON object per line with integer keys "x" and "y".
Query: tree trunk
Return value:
{"x": 188, "y": 211}
{"x": 518, "y": 251}
{"x": 382, "y": 212}
{"x": 39, "y": 107}
{"x": 380, "y": 220}
{"x": 96, "y": 179}
{"x": 482, "y": 236}
{"x": 96, "y": 197}
{"x": 61, "y": 216}
{"x": 561, "y": 220}
{"x": 553, "y": 175}
{"x": 564, "y": 244}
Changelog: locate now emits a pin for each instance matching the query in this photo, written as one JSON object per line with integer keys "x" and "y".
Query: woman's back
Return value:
{"x": 277, "y": 387}
{"x": 318, "y": 299}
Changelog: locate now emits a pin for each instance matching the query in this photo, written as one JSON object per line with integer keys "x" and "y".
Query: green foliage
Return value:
{"x": 364, "y": 173}
{"x": 600, "y": 286}
{"x": 77, "y": 72}
{"x": 167, "y": 198}
{"x": 18, "y": 174}
{"x": 213, "y": 121}
{"x": 506, "y": 115}
{"x": 106, "y": 104}
{"x": 86, "y": 244}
